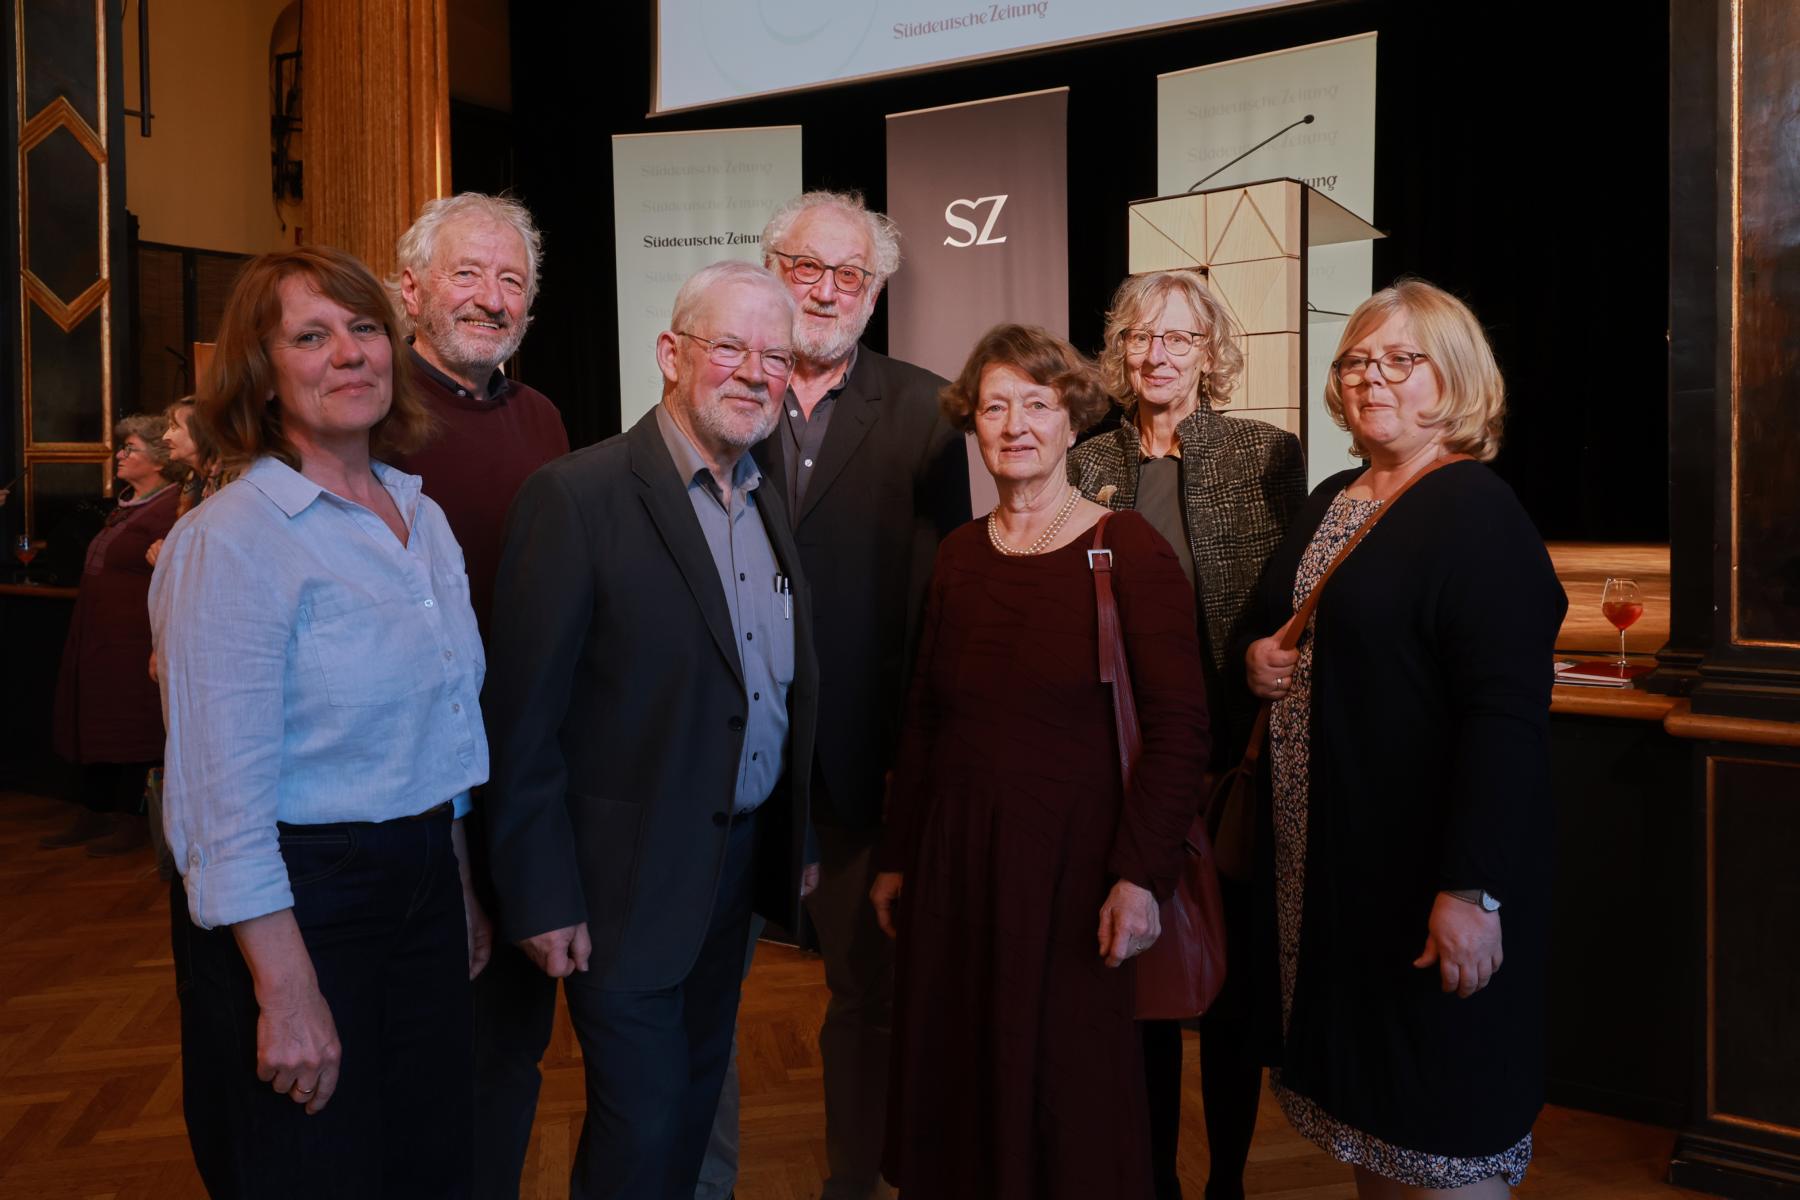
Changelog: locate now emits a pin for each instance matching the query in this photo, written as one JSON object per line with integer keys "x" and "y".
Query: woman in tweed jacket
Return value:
{"x": 1221, "y": 491}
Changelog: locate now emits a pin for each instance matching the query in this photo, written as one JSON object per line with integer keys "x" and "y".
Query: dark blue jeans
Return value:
{"x": 380, "y": 908}
{"x": 655, "y": 1059}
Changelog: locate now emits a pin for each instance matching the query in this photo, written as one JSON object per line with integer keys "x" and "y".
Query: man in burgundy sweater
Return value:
{"x": 468, "y": 275}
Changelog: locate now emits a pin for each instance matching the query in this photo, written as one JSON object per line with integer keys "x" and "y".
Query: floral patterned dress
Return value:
{"x": 1290, "y": 730}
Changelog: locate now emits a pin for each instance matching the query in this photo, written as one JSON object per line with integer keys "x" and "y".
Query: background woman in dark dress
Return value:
{"x": 1029, "y": 877}
{"x": 1411, "y": 798}
{"x": 108, "y": 715}
{"x": 1222, "y": 491}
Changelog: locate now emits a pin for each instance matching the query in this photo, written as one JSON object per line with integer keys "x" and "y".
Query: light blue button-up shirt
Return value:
{"x": 313, "y": 670}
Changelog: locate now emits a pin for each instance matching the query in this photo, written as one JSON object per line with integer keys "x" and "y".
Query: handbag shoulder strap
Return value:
{"x": 1296, "y": 628}
{"x": 1115, "y": 668}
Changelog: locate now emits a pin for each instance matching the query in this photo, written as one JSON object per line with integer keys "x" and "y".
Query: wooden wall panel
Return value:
{"x": 377, "y": 113}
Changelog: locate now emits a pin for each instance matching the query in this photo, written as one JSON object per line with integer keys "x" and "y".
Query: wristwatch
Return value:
{"x": 1476, "y": 896}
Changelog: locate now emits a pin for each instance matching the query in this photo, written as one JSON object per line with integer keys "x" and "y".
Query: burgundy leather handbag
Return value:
{"x": 1182, "y": 971}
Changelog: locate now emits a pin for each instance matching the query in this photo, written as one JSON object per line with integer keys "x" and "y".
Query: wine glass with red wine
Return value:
{"x": 1623, "y": 604}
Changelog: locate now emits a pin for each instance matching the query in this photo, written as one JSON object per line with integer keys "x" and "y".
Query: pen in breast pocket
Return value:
{"x": 785, "y": 590}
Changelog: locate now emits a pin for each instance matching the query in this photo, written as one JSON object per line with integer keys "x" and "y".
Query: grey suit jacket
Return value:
{"x": 616, "y": 707}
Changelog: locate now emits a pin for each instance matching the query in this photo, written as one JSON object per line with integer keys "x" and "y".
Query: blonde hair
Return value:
{"x": 1134, "y": 300}
{"x": 1473, "y": 407}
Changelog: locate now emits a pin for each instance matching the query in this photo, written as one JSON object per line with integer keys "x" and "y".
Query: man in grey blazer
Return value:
{"x": 651, "y": 701}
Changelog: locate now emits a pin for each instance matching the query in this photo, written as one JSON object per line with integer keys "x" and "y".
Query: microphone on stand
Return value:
{"x": 1306, "y": 120}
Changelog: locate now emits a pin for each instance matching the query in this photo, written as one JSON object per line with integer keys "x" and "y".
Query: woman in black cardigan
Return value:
{"x": 1410, "y": 768}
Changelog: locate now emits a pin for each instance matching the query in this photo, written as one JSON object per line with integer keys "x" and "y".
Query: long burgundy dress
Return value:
{"x": 1017, "y": 1069}
{"x": 107, "y": 708}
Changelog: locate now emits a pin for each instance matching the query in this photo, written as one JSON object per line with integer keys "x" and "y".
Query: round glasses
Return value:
{"x": 806, "y": 269}
{"x": 1395, "y": 367}
{"x": 1177, "y": 342}
{"x": 727, "y": 352}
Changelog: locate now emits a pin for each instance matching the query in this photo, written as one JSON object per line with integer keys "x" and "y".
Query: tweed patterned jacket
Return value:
{"x": 1242, "y": 481}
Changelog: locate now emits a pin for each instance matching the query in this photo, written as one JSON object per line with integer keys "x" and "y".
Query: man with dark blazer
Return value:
{"x": 651, "y": 701}
{"x": 875, "y": 478}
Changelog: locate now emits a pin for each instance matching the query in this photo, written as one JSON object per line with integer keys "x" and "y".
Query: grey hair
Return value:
{"x": 884, "y": 235}
{"x": 732, "y": 270}
{"x": 418, "y": 244}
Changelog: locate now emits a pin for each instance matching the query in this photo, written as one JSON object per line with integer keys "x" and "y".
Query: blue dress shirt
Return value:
{"x": 313, "y": 670}
{"x": 762, "y": 615}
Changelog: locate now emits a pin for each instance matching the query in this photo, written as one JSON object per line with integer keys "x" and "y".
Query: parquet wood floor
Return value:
{"x": 90, "y": 1090}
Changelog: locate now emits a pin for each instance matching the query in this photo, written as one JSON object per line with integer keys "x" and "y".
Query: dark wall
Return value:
{"x": 1522, "y": 158}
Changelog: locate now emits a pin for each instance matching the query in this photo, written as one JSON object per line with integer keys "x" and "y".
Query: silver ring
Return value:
{"x": 305, "y": 1091}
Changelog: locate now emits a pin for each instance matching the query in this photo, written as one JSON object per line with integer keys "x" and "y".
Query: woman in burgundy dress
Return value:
{"x": 1017, "y": 874}
{"x": 108, "y": 714}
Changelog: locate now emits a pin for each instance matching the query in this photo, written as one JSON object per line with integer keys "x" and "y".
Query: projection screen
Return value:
{"x": 714, "y": 51}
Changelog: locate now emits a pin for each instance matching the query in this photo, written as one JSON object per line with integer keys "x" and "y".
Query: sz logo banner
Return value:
{"x": 973, "y": 237}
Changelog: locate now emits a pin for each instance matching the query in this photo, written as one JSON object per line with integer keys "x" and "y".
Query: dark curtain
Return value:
{"x": 1522, "y": 162}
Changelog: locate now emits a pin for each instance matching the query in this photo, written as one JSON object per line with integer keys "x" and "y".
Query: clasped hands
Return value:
{"x": 1130, "y": 921}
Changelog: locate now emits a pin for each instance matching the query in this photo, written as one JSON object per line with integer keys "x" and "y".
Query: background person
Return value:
{"x": 182, "y": 442}
{"x": 1411, "y": 771}
{"x": 1222, "y": 491}
{"x": 1017, "y": 872}
{"x": 108, "y": 718}
{"x": 320, "y": 668}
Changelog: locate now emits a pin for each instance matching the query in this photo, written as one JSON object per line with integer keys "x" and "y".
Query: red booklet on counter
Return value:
{"x": 1598, "y": 673}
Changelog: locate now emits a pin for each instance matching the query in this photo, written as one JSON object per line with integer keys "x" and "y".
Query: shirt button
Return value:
{"x": 736, "y": 724}
{"x": 456, "y": 708}
{"x": 793, "y": 412}
{"x": 749, "y": 637}
{"x": 809, "y": 462}
{"x": 448, "y": 655}
{"x": 430, "y": 603}
{"x": 755, "y": 754}
{"x": 756, "y": 695}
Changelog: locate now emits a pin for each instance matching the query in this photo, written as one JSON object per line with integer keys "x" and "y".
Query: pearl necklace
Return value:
{"x": 1044, "y": 538}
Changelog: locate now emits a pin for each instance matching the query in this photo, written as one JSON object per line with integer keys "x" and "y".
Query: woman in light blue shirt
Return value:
{"x": 320, "y": 670}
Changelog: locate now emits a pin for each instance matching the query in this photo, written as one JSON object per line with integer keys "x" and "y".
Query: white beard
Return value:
{"x": 473, "y": 356}
{"x": 832, "y": 346}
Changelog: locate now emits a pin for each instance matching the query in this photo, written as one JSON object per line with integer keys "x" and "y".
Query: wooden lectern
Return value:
{"x": 1251, "y": 242}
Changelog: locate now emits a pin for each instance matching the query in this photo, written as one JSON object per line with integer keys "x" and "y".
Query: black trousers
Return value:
{"x": 380, "y": 908}
{"x": 515, "y": 1008}
{"x": 1230, "y": 1071}
{"x": 655, "y": 1059}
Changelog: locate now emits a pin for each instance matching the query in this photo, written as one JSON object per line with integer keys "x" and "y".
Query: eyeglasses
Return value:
{"x": 728, "y": 353}
{"x": 1176, "y": 341}
{"x": 1396, "y": 366}
{"x": 128, "y": 451}
{"x": 849, "y": 280}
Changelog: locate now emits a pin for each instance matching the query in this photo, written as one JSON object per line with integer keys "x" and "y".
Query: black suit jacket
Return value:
{"x": 615, "y": 708}
{"x": 891, "y": 480}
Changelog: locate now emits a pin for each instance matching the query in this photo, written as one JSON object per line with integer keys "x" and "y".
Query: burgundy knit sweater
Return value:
{"x": 484, "y": 448}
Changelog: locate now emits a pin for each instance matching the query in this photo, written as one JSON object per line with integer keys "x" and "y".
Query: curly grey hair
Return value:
{"x": 884, "y": 235}
{"x": 418, "y": 244}
{"x": 1137, "y": 298}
